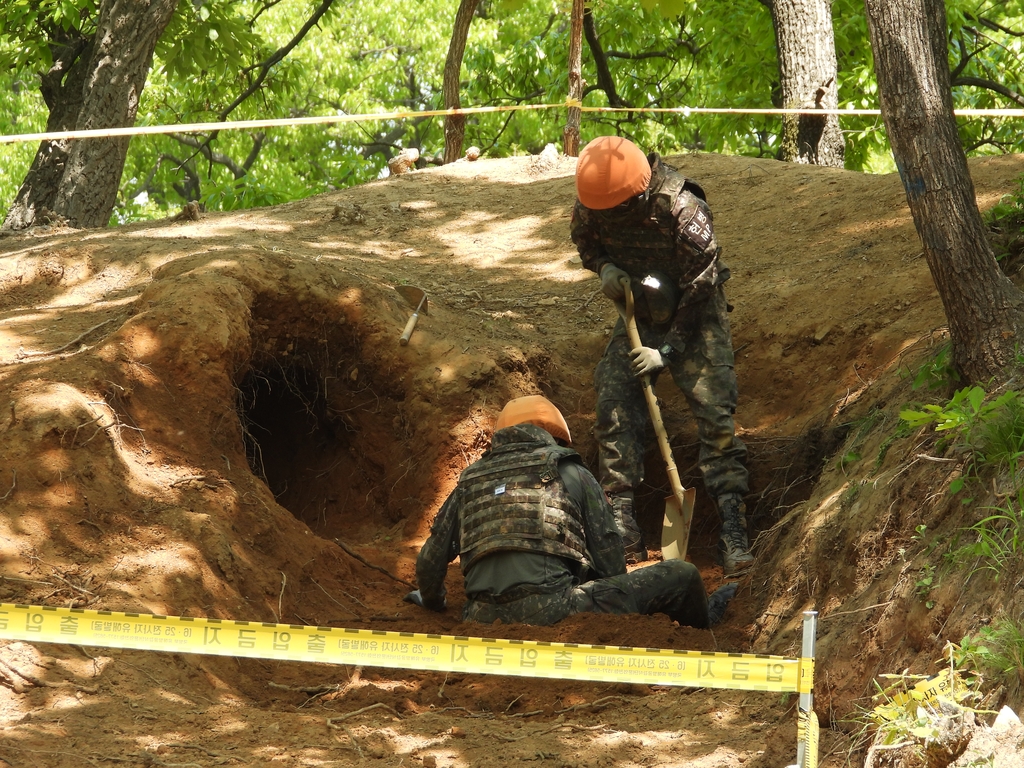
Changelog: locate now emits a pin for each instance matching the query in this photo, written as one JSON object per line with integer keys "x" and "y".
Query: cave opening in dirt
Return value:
{"x": 290, "y": 441}
{"x": 322, "y": 418}
{"x": 327, "y": 439}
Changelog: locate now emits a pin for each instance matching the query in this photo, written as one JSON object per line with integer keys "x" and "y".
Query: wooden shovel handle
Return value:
{"x": 407, "y": 333}
{"x": 408, "y": 328}
{"x": 659, "y": 426}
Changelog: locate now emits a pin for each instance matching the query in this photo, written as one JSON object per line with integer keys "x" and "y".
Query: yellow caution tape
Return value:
{"x": 398, "y": 650}
{"x": 807, "y": 731}
{"x": 806, "y": 676}
{"x": 943, "y": 686}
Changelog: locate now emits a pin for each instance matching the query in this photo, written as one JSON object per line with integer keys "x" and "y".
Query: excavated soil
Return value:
{"x": 214, "y": 418}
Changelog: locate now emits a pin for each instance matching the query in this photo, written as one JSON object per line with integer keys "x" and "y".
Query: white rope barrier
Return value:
{"x": 236, "y": 125}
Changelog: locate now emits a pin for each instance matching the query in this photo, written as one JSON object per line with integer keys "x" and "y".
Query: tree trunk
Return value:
{"x": 984, "y": 309}
{"x": 126, "y": 35}
{"x": 571, "y": 132}
{"x": 807, "y": 72}
{"x": 455, "y": 125}
{"x": 61, "y": 88}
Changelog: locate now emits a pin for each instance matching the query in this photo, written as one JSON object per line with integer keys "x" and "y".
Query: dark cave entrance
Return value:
{"x": 328, "y": 442}
{"x": 291, "y": 442}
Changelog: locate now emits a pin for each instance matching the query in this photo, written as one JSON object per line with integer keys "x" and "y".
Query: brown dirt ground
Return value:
{"x": 193, "y": 411}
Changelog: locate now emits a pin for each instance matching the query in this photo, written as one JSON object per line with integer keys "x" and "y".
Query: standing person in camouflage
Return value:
{"x": 537, "y": 541}
{"x": 636, "y": 217}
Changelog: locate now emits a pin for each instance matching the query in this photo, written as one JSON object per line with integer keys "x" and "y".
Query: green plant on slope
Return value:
{"x": 1010, "y": 205}
{"x": 962, "y": 413}
{"x": 924, "y": 585}
{"x": 996, "y": 440}
{"x": 998, "y": 538}
{"x": 990, "y": 431}
{"x": 997, "y": 649}
{"x": 937, "y": 373}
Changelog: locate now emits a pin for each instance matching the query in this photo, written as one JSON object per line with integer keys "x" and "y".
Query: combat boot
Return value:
{"x": 733, "y": 547}
{"x": 625, "y": 521}
{"x": 718, "y": 601}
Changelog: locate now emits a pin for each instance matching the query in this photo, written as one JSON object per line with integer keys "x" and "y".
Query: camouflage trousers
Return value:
{"x": 704, "y": 373}
{"x": 673, "y": 587}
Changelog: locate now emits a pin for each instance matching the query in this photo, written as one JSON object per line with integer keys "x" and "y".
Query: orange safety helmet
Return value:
{"x": 537, "y": 410}
{"x": 609, "y": 171}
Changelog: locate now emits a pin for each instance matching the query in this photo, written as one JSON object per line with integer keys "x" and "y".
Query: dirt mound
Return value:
{"x": 215, "y": 418}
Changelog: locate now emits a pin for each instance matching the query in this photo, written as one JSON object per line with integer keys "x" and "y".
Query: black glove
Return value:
{"x": 611, "y": 281}
{"x": 416, "y": 598}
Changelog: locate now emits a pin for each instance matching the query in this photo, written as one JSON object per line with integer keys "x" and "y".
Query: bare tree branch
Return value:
{"x": 965, "y": 59}
{"x": 214, "y": 157}
{"x": 993, "y": 25}
{"x": 203, "y": 148}
{"x": 265, "y": 66}
{"x": 638, "y": 56}
{"x": 257, "y": 145}
{"x": 990, "y": 85}
{"x": 263, "y": 9}
{"x": 605, "y": 81}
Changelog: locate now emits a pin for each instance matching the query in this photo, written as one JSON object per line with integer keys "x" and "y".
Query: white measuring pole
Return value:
{"x": 807, "y": 746}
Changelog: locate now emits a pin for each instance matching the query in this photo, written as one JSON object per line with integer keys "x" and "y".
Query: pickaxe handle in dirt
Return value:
{"x": 683, "y": 497}
{"x": 407, "y": 333}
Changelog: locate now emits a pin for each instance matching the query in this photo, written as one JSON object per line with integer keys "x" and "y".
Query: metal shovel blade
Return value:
{"x": 675, "y": 531}
{"x": 414, "y": 296}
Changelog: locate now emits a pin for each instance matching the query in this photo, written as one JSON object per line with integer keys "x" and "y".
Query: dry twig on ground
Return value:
{"x": 368, "y": 564}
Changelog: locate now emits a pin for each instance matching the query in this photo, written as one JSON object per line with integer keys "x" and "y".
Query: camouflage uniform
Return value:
{"x": 668, "y": 230}
{"x": 703, "y": 371}
{"x": 537, "y": 542}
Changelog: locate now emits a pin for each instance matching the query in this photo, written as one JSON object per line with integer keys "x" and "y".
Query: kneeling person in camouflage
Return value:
{"x": 537, "y": 539}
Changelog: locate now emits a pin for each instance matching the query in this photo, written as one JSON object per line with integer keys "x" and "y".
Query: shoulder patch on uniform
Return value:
{"x": 698, "y": 229}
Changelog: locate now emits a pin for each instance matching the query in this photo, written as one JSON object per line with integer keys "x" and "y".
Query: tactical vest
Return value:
{"x": 641, "y": 241}
{"x": 514, "y": 499}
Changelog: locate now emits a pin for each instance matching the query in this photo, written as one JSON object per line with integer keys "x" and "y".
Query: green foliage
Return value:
{"x": 924, "y": 584}
{"x": 29, "y": 27}
{"x": 997, "y": 540}
{"x": 986, "y": 53}
{"x": 21, "y": 111}
{"x": 997, "y": 439}
{"x": 965, "y": 412}
{"x": 848, "y": 458}
{"x": 202, "y": 46}
{"x": 997, "y": 649}
{"x": 939, "y": 372}
{"x": 363, "y": 57}
{"x": 1010, "y": 205}
{"x": 990, "y": 431}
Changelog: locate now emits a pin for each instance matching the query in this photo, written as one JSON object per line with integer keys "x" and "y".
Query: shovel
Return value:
{"x": 675, "y": 531}
{"x": 417, "y": 298}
